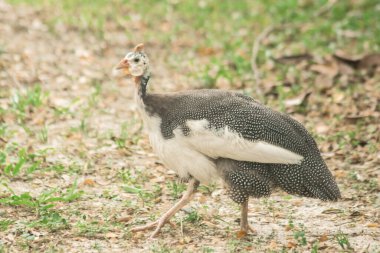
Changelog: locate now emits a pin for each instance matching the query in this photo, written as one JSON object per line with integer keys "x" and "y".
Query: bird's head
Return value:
{"x": 135, "y": 63}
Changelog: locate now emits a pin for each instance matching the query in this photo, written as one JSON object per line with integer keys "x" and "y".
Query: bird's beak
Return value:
{"x": 123, "y": 65}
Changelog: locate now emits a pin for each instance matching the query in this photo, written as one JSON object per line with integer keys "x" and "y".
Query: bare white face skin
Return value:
{"x": 138, "y": 63}
{"x": 135, "y": 63}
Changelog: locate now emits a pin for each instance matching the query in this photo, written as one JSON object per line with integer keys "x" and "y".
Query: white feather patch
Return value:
{"x": 179, "y": 156}
{"x": 229, "y": 144}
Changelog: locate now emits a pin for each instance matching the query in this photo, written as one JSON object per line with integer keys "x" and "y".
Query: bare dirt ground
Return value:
{"x": 85, "y": 111}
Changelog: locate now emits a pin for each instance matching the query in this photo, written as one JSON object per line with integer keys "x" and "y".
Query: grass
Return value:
{"x": 4, "y": 224}
{"x": 176, "y": 189}
{"x": 43, "y": 134}
{"x": 46, "y": 216}
{"x": 43, "y": 202}
{"x": 122, "y": 138}
{"x": 343, "y": 241}
{"x": 15, "y": 160}
{"x": 193, "y": 217}
{"x": 207, "y": 250}
{"x": 241, "y": 21}
{"x": 209, "y": 43}
{"x": 145, "y": 196}
{"x": 50, "y": 220}
{"x": 91, "y": 228}
{"x": 25, "y": 102}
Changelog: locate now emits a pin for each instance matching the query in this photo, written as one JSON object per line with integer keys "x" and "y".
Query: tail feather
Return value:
{"x": 325, "y": 191}
{"x": 311, "y": 178}
{"x": 320, "y": 182}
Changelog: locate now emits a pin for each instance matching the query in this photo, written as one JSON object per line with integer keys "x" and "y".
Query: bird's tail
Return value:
{"x": 311, "y": 178}
{"x": 321, "y": 183}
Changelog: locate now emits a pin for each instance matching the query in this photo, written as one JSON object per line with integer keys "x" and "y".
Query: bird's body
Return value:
{"x": 193, "y": 131}
{"x": 206, "y": 135}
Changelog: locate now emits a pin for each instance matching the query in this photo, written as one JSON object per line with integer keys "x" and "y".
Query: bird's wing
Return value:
{"x": 227, "y": 143}
{"x": 231, "y": 125}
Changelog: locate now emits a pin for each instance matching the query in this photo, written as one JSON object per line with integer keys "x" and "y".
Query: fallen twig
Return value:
{"x": 255, "y": 51}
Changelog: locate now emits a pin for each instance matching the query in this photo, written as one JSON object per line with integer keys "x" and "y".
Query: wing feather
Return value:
{"x": 226, "y": 143}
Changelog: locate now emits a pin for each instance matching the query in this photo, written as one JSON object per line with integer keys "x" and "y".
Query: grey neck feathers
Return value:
{"x": 143, "y": 84}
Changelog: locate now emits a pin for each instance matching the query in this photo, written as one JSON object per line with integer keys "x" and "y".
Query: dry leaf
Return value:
{"x": 124, "y": 219}
{"x": 291, "y": 245}
{"x": 202, "y": 199}
{"x": 324, "y": 82}
{"x": 373, "y": 225}
{"x": 297, "y": 202}
{"x": 273, "y": 244}
{"x": 330, "y": 71}
{"x": 111, "y": 235}
{"x": 206, "y": 51}
{"x": 321, "y": 128}
{"x": 241, "y": 234}
{"x": 338, "y": 97}
{"x": 368, "y": 62}
{"x": 102, "y": 182}
{"x": 302, "y": 99}
{"x": 353, "y": 63}
{"x": 89, "y": 182}
{"x": 323, "y": 238}
{"x": 340, "y": 174}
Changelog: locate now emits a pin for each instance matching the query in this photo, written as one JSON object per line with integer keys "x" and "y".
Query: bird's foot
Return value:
{"x": 243, "y": 232}
{"x": 186, "y": 197}
{"x": 158, "y": 224}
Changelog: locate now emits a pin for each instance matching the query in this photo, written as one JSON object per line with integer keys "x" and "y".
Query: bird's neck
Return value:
{"x": 141, "y": 83}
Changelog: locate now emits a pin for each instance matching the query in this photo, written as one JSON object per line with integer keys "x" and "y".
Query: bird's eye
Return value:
{"x": 136, "y": 60}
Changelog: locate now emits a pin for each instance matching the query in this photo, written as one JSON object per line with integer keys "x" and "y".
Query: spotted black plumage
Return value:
{"x": 242, "y": 114}
{"x": 253, "y": 121}
{"x": 309, "y": 179}
{"x": 209, "y": 134}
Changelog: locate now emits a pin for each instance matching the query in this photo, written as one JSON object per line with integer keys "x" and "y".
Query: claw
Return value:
{"x": 144, "y": 227}
{"x": 158, "y": 224}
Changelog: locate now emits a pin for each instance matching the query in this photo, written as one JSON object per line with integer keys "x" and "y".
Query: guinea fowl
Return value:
{"x": 205, "y": 135}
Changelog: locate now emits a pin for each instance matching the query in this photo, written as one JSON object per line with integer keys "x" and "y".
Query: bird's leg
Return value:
{"x": 186, "y": 197}
{"x": 244, "y": 225}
